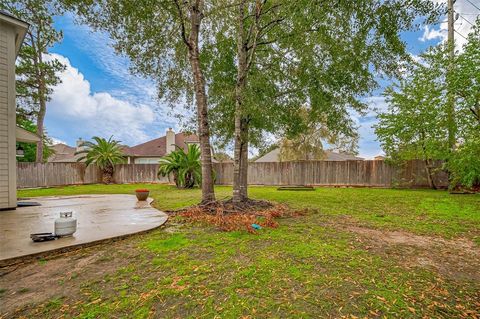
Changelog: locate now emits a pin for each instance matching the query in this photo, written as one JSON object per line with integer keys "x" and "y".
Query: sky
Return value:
{"x": 98, "y": 96}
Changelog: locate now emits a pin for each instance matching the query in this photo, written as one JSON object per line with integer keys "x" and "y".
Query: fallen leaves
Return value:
{"x": 231, "y": 220}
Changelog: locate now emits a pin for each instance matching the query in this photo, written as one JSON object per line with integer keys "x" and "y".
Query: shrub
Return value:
{"x": 464, "y": 165}
{"x": 185, "y": 167}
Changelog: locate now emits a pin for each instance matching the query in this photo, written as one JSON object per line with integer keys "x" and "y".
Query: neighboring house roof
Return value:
{"x": 158, "y": 146}
{"x": 20, "y": 26}
{"x": 22, "y": 135}
{"x": 66, "y": 154}
{"x": 63, "y": 154}
{"x": 274, "y": 156}
{"x": 153, "y": 148}
{"x": 342, "y": 156}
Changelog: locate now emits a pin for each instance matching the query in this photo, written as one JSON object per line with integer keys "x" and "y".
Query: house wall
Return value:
{"x": 146, "y": 160}
{"x": 8, "y": 195}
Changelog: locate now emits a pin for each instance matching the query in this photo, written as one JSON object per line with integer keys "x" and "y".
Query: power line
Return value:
{"x": 466, "y": 20}
{"x": 473, "y": 4}
{"x": 469, "y": 14}
{"x": 460, "y": 34}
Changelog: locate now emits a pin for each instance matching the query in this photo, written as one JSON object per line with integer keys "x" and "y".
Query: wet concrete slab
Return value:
{"x": 99, "y": 217}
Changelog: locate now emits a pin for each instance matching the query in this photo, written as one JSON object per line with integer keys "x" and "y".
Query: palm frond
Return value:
{"x": 184, "y": 165}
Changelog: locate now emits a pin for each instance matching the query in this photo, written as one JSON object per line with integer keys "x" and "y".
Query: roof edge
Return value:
{"x": 20, "y": 27}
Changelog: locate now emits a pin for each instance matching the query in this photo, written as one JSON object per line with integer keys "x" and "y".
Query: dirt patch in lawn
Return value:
{"x": 33, "y": 283}
{"x": 456, "y": 258}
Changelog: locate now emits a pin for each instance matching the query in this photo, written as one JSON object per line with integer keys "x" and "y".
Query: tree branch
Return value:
{"x": 182, "y": 25}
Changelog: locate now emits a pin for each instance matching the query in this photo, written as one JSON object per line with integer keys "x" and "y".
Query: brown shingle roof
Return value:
{"x": 158, "y": 146}
{"x": 153, "y": 148}
{"x": 63, "y": 154}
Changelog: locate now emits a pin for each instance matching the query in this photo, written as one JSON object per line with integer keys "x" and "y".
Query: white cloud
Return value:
{"x": 127, "y": 86}
{"x": 57, "y": 141}
{"x": 432, "y": 34}
{"x": 463, "y": 25}
{"x": 80, "y": 111}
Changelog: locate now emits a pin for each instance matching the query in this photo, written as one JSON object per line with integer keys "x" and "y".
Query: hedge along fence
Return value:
{"x": 321, "y": 173}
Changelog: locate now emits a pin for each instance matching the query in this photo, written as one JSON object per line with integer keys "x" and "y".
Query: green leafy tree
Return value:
{"x": 36, "y": 74}
{"x": 466, "y": 77}
{"x": 259, "y": 59}
{"x": 309, "y": 143}
{"x": 415, "y": 124}
{"x": 464, "y": 166}
{"x": 164, "y": 41}
{"x": 279, "y": 55}
{"x": 103, "y": 153}
{"x": 29, "y": 149}
{"x": 418, "y": 123}
{"x": 464, "y": 163}
{"x": 184, "y": 166}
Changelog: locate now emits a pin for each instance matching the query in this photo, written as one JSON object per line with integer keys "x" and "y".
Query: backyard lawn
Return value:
{"x": 357, "y": 253}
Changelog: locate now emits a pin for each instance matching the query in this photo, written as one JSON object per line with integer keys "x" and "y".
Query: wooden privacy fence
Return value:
{"x": 137, "y": 173}
{"x": 56, "y": 174}
{"x": 322, "y": 173}
{"x": 334, "y": 173}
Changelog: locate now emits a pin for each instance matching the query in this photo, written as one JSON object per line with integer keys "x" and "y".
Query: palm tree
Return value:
{"x": 185, "y": 167}
{"x": 104, "y": 153}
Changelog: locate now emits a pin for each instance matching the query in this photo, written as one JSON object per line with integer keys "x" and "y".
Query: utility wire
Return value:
{"x": 473, "y": 4}
{"x": 460, "y": 34}
{"x": 466, "y": 20}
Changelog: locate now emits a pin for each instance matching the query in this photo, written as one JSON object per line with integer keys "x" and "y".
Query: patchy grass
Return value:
{"x": 312, "y": 266}
{"x": 424, "y": 212}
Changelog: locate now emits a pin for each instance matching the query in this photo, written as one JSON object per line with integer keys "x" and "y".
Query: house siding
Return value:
{"x": 146, "y": 160}
{"x": 7, "y": 118}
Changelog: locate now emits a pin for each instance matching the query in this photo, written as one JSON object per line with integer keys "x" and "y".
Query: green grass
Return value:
{"x": 306, "y": 268}
{"x": 419, "y": 211}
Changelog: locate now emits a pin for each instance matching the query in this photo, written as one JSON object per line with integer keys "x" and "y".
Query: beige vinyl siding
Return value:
{"x": 147, "y": 160}
{"x": 7, "y": 117}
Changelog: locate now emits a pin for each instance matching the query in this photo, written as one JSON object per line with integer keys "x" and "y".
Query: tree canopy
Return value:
{"x": 259, "y": 61}
{"x": 37, "y": 73}
{"x": 415, "y": 126}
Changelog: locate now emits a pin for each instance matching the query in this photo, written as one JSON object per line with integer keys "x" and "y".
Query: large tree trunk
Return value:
{"x": 240, "y": 161}
{"x": 244, "y": 162}
{"x": 107, "y": 175}
{"x": 208, "y": 193}
{"x": 428, "y": 168}
{"x": 40, "y": 129}
{"x": 42, "y": 95}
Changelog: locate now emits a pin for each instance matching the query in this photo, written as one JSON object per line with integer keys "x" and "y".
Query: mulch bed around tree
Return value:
{"x": 230, "y": 216}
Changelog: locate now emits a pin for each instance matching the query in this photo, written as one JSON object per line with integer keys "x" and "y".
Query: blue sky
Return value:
{"x": 99, "y": 96}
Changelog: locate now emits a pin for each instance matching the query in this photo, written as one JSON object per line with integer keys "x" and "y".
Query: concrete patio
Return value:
{"x": 99, "y": 217}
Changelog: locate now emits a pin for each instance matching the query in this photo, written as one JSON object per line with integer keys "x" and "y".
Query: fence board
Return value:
{"x": 334, "y": 173}
{"x": 321, "y": 173}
